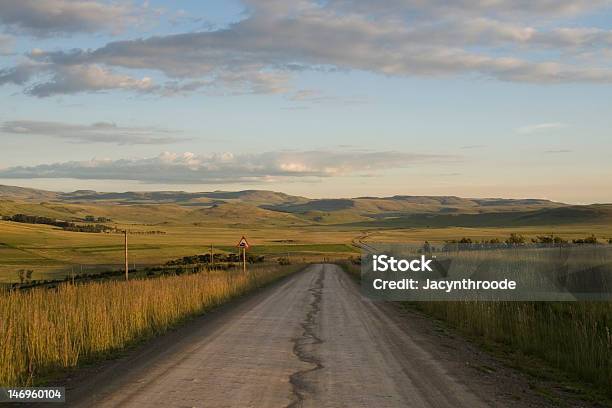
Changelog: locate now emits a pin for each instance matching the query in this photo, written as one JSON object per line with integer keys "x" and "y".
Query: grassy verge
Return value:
{"x": 574, "y": 338}
{"x": 44, "y": 331}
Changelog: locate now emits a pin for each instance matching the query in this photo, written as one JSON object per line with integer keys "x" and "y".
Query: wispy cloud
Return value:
{"x": 541, "y": 127}
{"x": 101, "y": 132}
{"x": 188, "y": 168}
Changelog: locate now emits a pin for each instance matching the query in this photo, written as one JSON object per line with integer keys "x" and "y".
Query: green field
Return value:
{"x": 51, "y": 252}
{"x": 276, "y": 225}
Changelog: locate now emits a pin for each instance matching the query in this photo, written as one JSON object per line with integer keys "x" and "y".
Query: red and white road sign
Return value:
{"x": 243, "y": 243}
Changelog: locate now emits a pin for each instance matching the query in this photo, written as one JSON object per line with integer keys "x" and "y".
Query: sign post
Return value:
{"x": 244, "y": 245}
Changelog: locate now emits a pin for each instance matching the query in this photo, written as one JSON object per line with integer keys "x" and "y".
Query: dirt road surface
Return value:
{"x": 309, "y": 341}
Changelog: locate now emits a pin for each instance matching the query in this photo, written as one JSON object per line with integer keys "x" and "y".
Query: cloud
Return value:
{"x": 541, "y": 127}
{"x": 71, "y": 79}
{"x": 227, "y": 167}
{"x": 50, "y": 17}
{"x": 277, "y": 40}
{"x": 92, "y": 78}
{"x": 321, "y": 38}
{"x": 101, "y": 132}
{"x": 508, "y": 9}
{"x": 78, "y": 78}
{"x": 19, "y": 74}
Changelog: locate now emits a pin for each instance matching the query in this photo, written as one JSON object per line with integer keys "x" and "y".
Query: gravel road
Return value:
{"x": 309, "y": 341}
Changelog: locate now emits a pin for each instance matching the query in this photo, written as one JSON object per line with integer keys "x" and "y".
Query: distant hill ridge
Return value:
{"x": 256, "y": 196}
{"x": 271, "y": 199}
{"x": 281, "y": 208}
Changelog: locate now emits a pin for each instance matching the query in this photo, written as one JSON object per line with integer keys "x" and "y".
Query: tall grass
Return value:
{"x": 575, "y": 337}
{"x": 44, "y": 330}
{"x": 572, "y": 336}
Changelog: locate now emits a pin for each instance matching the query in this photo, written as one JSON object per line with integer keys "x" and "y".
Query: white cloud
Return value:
{"x": 101, "y": 132}
{"x": 189, "y": 168}
{"x": 541, "y": 127}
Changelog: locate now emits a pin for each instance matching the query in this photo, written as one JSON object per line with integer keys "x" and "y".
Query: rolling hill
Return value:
{"x": 164, "y": 225}
{"x": 280, "y": 209}
{"x": 26, "y": 194}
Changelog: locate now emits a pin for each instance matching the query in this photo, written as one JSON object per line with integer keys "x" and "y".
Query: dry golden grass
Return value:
{"x": 575, "y": 337}
{"x": 572, "y": 336}
{"x": 47, "y": 330}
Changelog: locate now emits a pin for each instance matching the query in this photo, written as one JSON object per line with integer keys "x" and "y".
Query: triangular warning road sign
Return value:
{"x": 243, "y": 243}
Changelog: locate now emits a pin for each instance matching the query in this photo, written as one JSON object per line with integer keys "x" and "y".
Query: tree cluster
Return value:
{"x": 65, "y": 225}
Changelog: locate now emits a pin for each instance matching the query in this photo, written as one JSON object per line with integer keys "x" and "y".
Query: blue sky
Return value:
{"x": 323, "y": 99}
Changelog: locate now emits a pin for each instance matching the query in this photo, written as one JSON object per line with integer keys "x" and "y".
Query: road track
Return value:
{"x": 309, "y": 341}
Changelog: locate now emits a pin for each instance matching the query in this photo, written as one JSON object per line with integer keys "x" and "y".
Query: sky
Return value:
{"x": 336, "y": 98}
